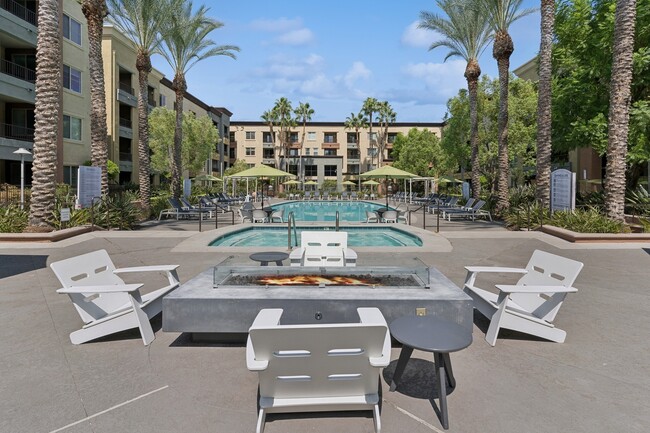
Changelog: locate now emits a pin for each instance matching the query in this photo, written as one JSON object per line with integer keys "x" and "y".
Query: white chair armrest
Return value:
{"x": 372, "y": 316}
{"x": 154, "y": 268}
{"x": 296, "y": 253}
{"x": 506, "y": 288}
{"x": 114, "y": 288}
{"x": 267, "y": 317}
{"x": 251, "y": 362}
{"x": 477, "y": 269}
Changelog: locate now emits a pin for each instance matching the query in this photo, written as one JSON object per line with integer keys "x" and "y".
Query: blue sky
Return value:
{"x": 334, "y": 55}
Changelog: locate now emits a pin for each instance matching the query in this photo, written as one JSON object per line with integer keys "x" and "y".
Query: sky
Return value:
{"x": 334, "y": 55}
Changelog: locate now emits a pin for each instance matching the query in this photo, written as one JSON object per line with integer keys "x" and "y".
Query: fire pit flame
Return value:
{"x": 317, "y": 280}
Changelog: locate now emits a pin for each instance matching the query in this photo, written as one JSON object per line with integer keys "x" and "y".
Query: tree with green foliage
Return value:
{"x": 465, "y": 32}
{"x": 199, "y": 138}
{"x": 385, "y": 116}
{"x": 303, "y": 115}
{"x": 582, "y": 70}
{"x": 419, "y": 152}
{"x": 286, "y": 123}
{"x": 369, "y": 108}
{"x": 501, "y": 14}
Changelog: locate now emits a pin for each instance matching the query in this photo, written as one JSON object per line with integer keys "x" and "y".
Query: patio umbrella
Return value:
{"x": 263, "y": 171}
{"x": 448, "y": 179}
{"x": 348, "y": 182}
{"x": 207, "y": 178}
{"x": 386, "y": 172}
{"x": 291, "y": 182}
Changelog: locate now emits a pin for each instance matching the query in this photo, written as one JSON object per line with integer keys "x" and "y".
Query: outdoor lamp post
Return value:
{"x": 22, "y": 152}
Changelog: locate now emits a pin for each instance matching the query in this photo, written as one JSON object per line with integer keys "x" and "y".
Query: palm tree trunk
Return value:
{"x": 95, "y": 11}
{"x": 46, "y": 112}
{"x": 472, "y": 72}
{"x": 143, "y": 65}
{"x": 502, "y": 49}
{"x": 543, "y": 181}
{"x": 619, "y": 108}
{"x": 179, "y": 85}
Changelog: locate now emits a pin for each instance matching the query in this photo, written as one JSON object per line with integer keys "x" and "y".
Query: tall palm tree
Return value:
{"x": 544, "y": 103}
{"x": 500, "y": 14}
{"x": 270, "y": 118}
{"x": 303, "y": 114}
{"x": 465, "y": 32}
{"x": 46, "y": 112}
{"x": 619, "y": 108}
{"x": 142, "y": 22}
{"x": 369, "y": 108}
{"x": 284, "y": 111}
{"x": 95, "y": 11}
{"x": 356, "y": 122}
{"x": 186, "y": 42}
{"x": 385, "y": 116}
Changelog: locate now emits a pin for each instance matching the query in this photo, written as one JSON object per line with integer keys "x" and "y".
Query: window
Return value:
{"x": 293, "y": 137}
{"x": 71, "y": 128}
{"x": 330, "y": 170}
{"x": 311, "y": 136}
{"x": 266, "y": 137}
{"x": 315, "y": 151}
{"x": 391, "y": 137}
{"x": 250, "y": 151}
{"x": 72, "y": 29}
{"x": 353, "y": 169}
{"x": 352, "y": 137}
{"x": 353, "y": 154}
{"x": 293, "y": 152}
{"x": 268, "y": 153}
{"x": 232, "y": 136}
{"x": 163, "y": 101}
{"x": 307, "y": 151}
{"x": 293, "y": 169}
{"x": 330, "y": 137}
{"x": 72, "y": 78}
{"x": 70, "y": 175}
{"x": 372, "y": 151}
{"x": 250, "y": 135}
{"x": 311, "y": 170}
{"x": 372, "y": 137}
{"x": 329, "y": 152}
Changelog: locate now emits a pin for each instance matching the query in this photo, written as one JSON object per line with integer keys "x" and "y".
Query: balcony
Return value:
{"x": 329, "y": 145}
{"x": 126, "y": 95}
{"x": 126, "y": 157}
{"x": 268, "y": 145}
{"x": 18, "y": 10}
{"x": 17, "y": 82}
{"x": 17, "y": 71}
{"x": 268, "y": 161}
{"x": 353, "y": 145}
{"x": 355, "y": 160}
{"x": 16, "y": 136}
{"x": 126, "y": 128}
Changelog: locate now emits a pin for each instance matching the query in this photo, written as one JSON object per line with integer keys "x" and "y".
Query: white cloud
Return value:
{"x": 296, "y": 37}
{"x": 356, "y": 72}
{"x": 415, "y": 37}
{"x": 277, "y": 25}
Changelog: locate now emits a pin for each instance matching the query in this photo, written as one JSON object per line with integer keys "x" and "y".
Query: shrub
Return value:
{"x": 528, "y": 215}
{"x": 588, "y": 220}
{"x": 119, "y": 211}
{"x": 158, "y": 202}
{"x": 12, "y": 219}
{"x": 78, "y": 217}
{"x": 637, "y": 201}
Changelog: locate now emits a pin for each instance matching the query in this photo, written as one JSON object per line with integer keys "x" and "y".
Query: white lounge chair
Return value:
{"x": 260, "y": 216}
{"x": 372, "y": 217}
{"x": 530, "y": 306}
{"x": 323, "y": 248}
{"x": 277, "y": 215}
{"x": 105, "y": 303}
{"x": 316, "y": 368}
{"x": 390, "y": 216}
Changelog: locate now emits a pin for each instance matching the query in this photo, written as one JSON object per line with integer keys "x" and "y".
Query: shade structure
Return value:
{"x": 291, "y": 182}
{"x": 262, "y": 171}
{"x": 207, "y": 178}
{"x": 370, "y": 182}
{"x": 348, "y": 182}
{"x": 448, "y": 179}
{"x": 311, "y": 182}
{"x": 388, "y": 172}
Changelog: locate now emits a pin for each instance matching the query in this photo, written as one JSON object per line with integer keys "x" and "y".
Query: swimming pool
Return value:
{"x": 385, "y": 236}
{"x": 349, "y": 211}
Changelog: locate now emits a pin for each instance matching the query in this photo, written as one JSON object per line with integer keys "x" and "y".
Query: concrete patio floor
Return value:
{"x": 597, "y": 381}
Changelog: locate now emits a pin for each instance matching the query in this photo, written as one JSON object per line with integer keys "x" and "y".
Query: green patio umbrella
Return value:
{"x": 448, "y": 179}
{"x": 348, "y": 182}
{"x": 262, "y": 171}
{"x": 388, "y": 172}
{"x": 207, "y": 178}
{"x": 291, "y": 182}
{"x": 370, "y": 182}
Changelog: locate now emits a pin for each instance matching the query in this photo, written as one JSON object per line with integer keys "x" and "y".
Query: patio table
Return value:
{"x": 269, "y": 256}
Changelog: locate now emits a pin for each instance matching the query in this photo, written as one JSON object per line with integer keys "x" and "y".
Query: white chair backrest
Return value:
{"x": 323, "y": 239}
{"x": 390, "y": 215}
{"x": 329, "y": 360}
{"x": 91, "y": 269}
{"x": 546, "y": 269}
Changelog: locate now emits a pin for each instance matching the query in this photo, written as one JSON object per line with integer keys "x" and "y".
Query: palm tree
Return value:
{"x": 95, "y": 11}
{"x": 466, "y": 34}
{"x": 369, "y": 108}
{"x": 356, "y": 122}
{"x": 142, "y": 22}
{"x": 284, "y": 111}
{"x": 270, "y": 117}
{"x": 619, "y": 108}
{"x": 500, "y": 14}
{"x": 385, "y": 116}
{"x": 303, "y": 114}
{"x": 47, "y": 110}
{"x": 186, "y": 43}
{"x": 544, "y": 103}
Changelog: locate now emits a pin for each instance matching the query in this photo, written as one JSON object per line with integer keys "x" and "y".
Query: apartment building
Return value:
{"x": 330, "y": 150}
{"x": 18, "y": 31}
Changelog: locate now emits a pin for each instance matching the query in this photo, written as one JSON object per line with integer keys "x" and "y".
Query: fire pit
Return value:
{"x": 226, "y": 299}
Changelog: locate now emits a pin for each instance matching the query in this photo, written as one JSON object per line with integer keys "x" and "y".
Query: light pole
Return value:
{"x": 22, "y": 152}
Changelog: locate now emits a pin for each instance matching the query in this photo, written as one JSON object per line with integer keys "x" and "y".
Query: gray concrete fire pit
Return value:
{"x": 222, "y": 302}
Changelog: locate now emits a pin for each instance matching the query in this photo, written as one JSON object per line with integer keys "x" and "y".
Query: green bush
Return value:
{"x": 12, "y": 219}
{"x": 588, "y": 220}
{"x": 637, "y": 202}
{"x": 78, "y": 217}
{"x": 158, "y": 202}
{"x": 529, "y": 215}
{"x": 119, "y": 211}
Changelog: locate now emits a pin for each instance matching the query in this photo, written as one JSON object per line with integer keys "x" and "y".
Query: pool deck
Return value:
{"x": 597, "y": 381}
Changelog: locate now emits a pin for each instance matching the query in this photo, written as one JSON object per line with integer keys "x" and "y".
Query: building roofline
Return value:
{"x": 216, "y": 110}
{"x": 339, "y": 124}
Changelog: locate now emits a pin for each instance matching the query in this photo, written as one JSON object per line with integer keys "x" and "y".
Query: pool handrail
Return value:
{"x": 291, "y": 218}
{"x": 337, "y": 221}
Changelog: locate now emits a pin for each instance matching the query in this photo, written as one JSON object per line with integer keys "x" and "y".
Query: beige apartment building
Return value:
{"x": 330, "y": 151}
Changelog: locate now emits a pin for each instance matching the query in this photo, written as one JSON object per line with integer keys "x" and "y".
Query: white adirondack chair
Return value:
{"x": 530, "y": 306}
{"x": 316, "y": 368}
{"x": 105, "y": 303}
{"x": 323, "y": 248}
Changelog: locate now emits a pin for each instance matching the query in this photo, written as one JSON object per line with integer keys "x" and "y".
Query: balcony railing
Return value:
{"x": 19, "y": 10}
{"x": 16, "y": 132}
{"x": 126, "y": 157}
{"x": 17, "y": 71}
{"x": 126, "y": 123}
{"x": 127, "y": 88}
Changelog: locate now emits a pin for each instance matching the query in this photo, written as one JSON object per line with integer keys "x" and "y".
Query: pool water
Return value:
{"x": 349, "y": 211}
{"x": 357, "y": 237}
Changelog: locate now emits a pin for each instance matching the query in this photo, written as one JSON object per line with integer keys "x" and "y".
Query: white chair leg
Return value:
{"x": 377, "y": 418}
{"x": 143, "y": 320}
{"x": 261, "y": 419}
